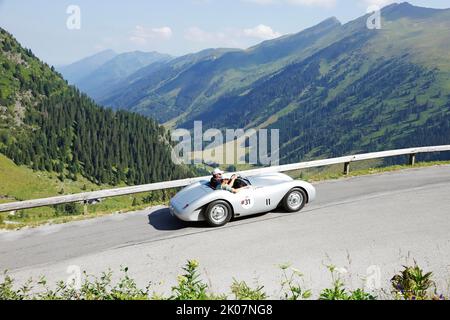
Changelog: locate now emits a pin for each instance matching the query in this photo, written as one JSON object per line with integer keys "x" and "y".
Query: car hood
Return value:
{"x": 268, "y": 179}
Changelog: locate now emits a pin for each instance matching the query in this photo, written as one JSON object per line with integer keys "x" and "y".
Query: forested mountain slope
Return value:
{"x": 49, "y": 125}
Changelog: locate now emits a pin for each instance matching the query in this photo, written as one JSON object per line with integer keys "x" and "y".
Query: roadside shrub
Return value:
{"x": 19, "y": 215}
{"x": 360, "y": 294}
{"x": 190, "y": 287}
{"x": 7, "y": 291}
{"x": 291, "y": 286}
{"x": 135, "y": 202}
{"x": 159, "y": 196}
{"x": 413, "y": 284}
{"x": 95, "y": 288}
{"x": 68, "y": 209}
{"x": 242, "y": 291}
{"x": 339, "y": 292}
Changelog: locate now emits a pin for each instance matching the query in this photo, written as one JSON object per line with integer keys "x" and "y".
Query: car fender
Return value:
{"x": 211, "y": 197}
{"x": 309, "y": 188}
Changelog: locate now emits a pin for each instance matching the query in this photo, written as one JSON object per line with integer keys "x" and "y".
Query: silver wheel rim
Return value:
{"x": 219, "y": 213}
{"x": 295, "y": 200}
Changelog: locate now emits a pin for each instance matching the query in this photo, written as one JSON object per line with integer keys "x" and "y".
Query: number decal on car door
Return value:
{"x": 247, "y": 202}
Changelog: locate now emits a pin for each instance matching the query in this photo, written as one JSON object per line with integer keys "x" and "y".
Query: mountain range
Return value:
{"x": 331, "y": 89}
{"x": 98, "y": 74}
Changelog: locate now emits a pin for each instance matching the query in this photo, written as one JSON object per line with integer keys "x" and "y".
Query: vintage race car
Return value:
{"x": 257, "y": 194}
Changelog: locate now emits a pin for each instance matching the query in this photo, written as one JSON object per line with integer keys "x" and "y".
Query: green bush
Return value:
{"x": 159, "y": 196}
{"x": 95, "y": 288}
{"x": 339, "y": 292}
{"x": 359, "y": 294}
{"x": 242, "y": 291}
{"x": 20, "y": 215}
{"x": 413, "y": 284}
{"x": 68, "y": 209}
{"x": 7, "y": 291}
{"x": 190, "y": 287}
{"x": 291, "y": 286}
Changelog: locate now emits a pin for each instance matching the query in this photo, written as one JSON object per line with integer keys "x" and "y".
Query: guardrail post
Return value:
{"x": 85, "y": 208}
{"x": 346, "y": 168}
{"x": 412, "y": 159}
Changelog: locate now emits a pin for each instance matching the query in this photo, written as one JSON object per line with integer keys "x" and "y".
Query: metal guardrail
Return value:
{"x": 89, "y": 196}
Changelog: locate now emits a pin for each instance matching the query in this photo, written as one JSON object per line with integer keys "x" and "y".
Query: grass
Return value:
{"x": 21, "y": 183}
{"x": 49, "y": 215}
{"x": 18, "y": 183}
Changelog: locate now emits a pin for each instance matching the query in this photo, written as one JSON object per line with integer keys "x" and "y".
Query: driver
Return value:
{"x": 219, "y": 183}
{"x": 216, "y": 179}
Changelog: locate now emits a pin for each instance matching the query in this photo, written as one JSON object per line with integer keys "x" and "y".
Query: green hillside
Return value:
{"x": 19, "y": 183}
{"x": 50, "y": 126}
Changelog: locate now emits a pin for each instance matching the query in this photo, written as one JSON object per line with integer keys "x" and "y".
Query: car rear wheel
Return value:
{"x": 218, "y": 213}
{"x": 294, "y": 200}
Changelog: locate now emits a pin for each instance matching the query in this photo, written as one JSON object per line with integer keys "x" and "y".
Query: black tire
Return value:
{"x": 218, "y": 213}
{"x": 295, "y": 200}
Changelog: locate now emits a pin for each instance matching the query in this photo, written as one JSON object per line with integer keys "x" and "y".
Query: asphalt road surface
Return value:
{"x": 368, "y": 226}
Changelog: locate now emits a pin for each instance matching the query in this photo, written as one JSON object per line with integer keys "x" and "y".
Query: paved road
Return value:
{"x": 368, "y": 225}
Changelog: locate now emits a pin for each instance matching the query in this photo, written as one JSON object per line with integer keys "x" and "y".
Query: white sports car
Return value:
{"x": 257, "y": 194}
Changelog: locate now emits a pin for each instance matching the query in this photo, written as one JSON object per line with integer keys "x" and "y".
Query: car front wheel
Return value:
{"x": 218, "y": 213}
{"x": 294, "y": 200}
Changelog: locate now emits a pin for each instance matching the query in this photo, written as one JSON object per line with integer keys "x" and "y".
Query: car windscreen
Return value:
{"x": 242, "y": 182}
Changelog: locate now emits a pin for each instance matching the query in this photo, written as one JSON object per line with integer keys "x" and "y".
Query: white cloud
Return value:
{"x": 230, "y": 37}
{"x": 141, "y": 35}
{"x": 262, "y": 32}
{"x": 224, "y": 38}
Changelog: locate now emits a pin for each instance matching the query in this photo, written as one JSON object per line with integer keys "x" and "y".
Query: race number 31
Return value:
{"x": 247, "y": 202}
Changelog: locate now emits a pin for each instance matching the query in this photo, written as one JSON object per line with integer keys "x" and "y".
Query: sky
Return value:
{"x": 64, "y": 31}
